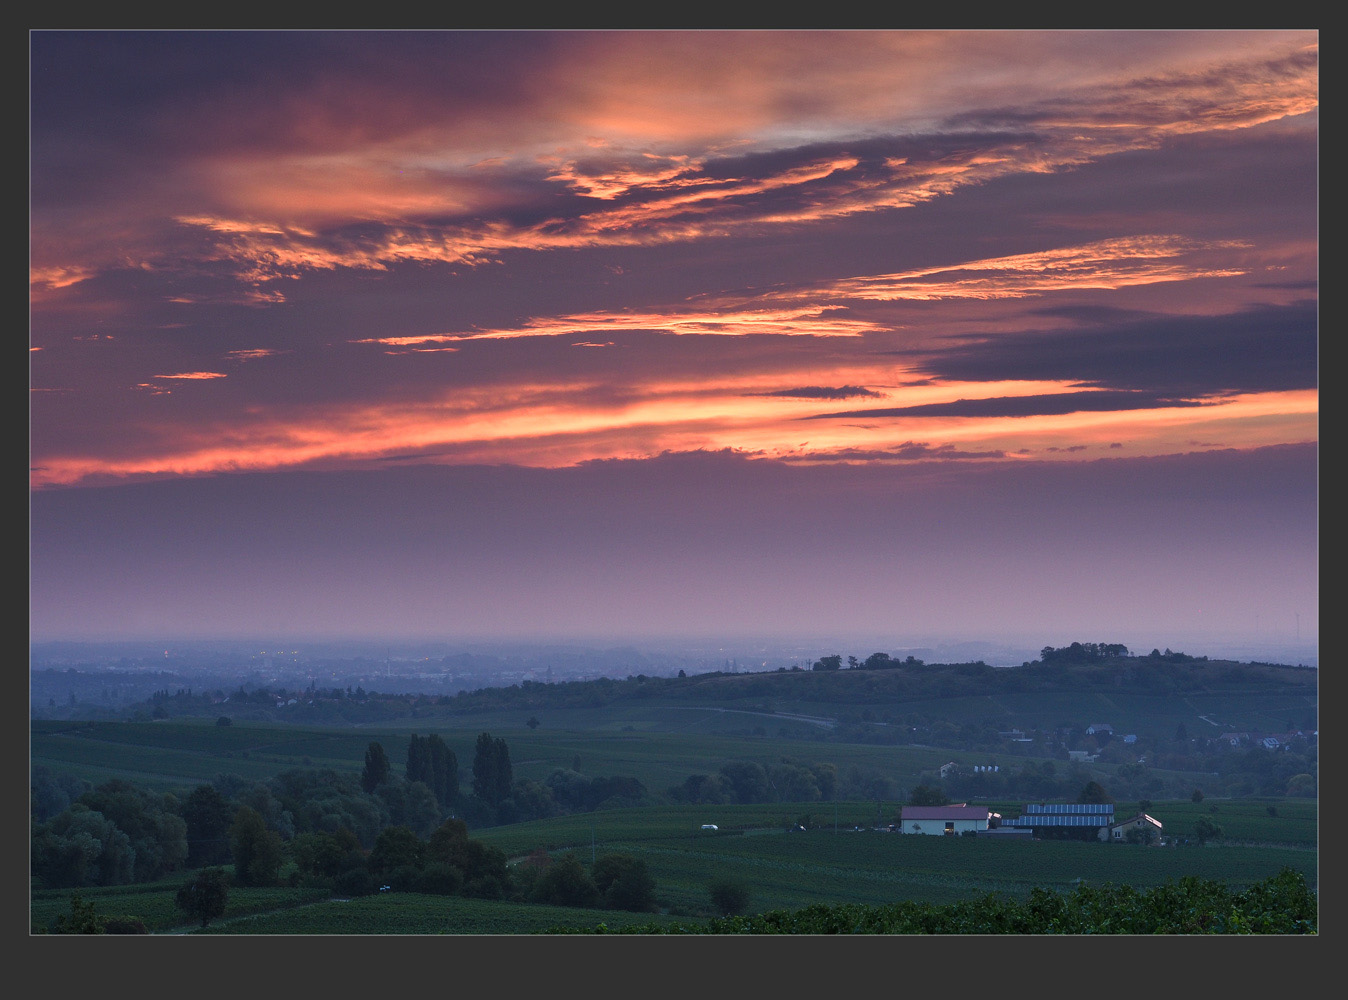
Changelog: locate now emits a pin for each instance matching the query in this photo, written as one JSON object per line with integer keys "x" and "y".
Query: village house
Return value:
{"x": 1118, "y": 832}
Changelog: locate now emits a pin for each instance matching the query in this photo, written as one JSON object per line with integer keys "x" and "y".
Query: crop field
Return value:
{"x": 1248, "y": 820}
{"x": 169, "y": 754}
{"x": 830, "y": 862}
{"x": 788, "y": 870}
{"x": 153, "y": 902}
{"x": 1154, "y": 715}
{"x": 782, "y": 871}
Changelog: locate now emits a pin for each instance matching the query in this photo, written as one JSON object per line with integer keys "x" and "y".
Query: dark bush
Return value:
{"x": 355, "y": 882}
{"x": 729, "y": 898}
{"x": 440, "y": 879}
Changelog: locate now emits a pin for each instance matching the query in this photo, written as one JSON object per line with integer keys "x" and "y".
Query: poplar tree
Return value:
{"x": 376, "y": 767}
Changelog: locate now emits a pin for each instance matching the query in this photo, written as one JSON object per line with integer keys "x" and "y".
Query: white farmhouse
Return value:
{"x": 943, "y": 820}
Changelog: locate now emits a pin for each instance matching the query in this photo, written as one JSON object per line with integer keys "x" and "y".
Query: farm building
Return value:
{"x": 1065, "y": 819}
{"x": 1100, "y": 728}
{"x": 941, "y": 820}
{"x": 1141, "y": 822}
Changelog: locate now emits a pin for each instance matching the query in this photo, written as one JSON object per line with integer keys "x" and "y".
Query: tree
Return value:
{"x": 492, "y": 775}
{"x": 157, "y": 834}
{"x": 484, "y": 768}
{"x": 1093, "y": 793}
{"x": 533, "y": 722}
{"x": 431, "y": 762}
{"x": 1205, "y": 830}
{"x": 1301, "y": 784}
{"x": 833, "y": 662}
{"x": 326, "y": 855}
{"x": 204, "y": 896}
{"x": 208, "y": 815}
{"x": 449, "y": 844}
{"x": 81, "y": 920}
{"x": 748, "y": 780}
{"x": 82, "y": 847}
{"x": 444, "y": 771}
{"x": 729, "y": 898}
{"x": 377, "y": 766}
{"x": 927, "y": 795}
{"x": 411, "y": 804}
{"x": 624, "y": 883}
{"x": 257, "y": 851}
{"x": 396, "y": 847}
{"x": 1197, "y": 796}
{"x": 567, "y": 883}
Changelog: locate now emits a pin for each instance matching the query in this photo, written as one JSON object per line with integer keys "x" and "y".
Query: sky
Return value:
{"x": 891, "y": 334}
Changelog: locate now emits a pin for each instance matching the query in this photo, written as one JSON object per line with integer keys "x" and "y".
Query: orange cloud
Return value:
{"x": 635, "y": 116}
{"x": 562, "y": 423}
{"x": 804, "y": 321}
{"x": 1105, "y": 264}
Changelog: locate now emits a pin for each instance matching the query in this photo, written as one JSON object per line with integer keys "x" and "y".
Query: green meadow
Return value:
{"x": 785, "y": 855}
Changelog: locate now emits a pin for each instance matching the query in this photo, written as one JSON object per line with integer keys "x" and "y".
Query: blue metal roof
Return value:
{"x": 1064, "y": 814}
{"x": 1062, "y": 819}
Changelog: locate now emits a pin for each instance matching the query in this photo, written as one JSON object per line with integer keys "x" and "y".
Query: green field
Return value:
{"x": 173, "y": 754}
{"x": 782, "y": 871}
{"x": 830, "y": 862}
{"x": 169, "y": 755}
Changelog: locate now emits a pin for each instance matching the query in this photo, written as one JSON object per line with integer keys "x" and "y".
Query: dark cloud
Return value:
{"x": 1265, "y": 349}
{"x": 1021, "y": 406}
{"x": 821, "y": 392}
{"x": 908, "y": 451}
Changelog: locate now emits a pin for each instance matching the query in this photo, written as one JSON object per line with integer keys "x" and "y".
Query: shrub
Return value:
{"x": 729, "y": 898}
{"x": 355, "y": 882}
{"x": 440, "y": 879}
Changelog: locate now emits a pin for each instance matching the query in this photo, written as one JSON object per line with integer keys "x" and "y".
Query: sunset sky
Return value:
{"x": 892, "y": 334}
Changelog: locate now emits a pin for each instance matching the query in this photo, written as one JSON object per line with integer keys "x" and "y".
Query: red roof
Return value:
{"x": 945, "y": 812}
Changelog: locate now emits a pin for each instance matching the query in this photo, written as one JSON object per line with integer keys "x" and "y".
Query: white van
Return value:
{"x": 710, "y": 826}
